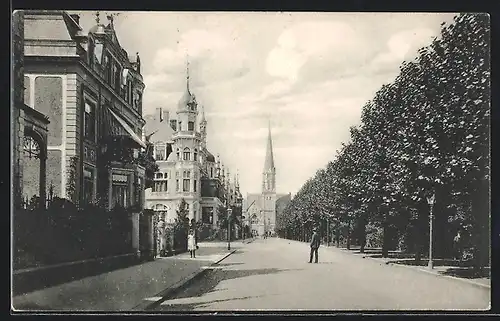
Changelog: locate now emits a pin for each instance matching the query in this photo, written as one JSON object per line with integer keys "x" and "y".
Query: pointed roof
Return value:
{"x": 203, "y": 120}
{"x": 269, "y": 161}
{"x": 187, "y": 97}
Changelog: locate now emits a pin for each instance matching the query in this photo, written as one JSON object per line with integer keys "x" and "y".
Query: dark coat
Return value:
{"x": 315, "y": 241}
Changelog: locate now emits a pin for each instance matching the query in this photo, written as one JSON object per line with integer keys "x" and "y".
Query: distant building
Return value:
{"x": 187, "y": 169}
{"x": 91, "y": 91}
{"x": 261, "y": 209}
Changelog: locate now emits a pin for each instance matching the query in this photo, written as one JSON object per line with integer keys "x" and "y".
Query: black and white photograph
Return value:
{"x": 209, "y": 162}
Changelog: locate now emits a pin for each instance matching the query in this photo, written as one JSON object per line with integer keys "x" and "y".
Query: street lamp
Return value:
{"x": 263, "y": 216}
{"x": 229, "y": 211}
{"x": 242, "y": 228}
{"x": 430, "y": 201}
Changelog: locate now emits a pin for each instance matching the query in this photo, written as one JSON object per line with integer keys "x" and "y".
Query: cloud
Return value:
{"x": 401, "y": 46}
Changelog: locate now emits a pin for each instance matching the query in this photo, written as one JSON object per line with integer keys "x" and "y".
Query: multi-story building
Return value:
{"x": 187, "y": 169}
{"x": 91, "y": 91}
{"x": 261, "y": 209}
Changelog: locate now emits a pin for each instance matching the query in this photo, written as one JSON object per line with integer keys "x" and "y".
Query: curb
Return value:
{"x": 169, "y": 292}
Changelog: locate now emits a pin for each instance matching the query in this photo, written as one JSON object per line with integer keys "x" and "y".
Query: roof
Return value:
{"x": 269, "y": 161}
{"x": 210, "y": 157}
{"x": 252, "y": 200}
{"x": 159, "y": 131}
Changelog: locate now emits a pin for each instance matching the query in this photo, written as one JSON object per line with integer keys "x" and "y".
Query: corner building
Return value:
{"x": 91, "y": 91}
{"x": 187, "y": 169}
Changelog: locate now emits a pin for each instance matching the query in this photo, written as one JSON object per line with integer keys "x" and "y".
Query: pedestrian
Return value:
{"x": 192, "y": 244}
{"x": 315, "y": 242}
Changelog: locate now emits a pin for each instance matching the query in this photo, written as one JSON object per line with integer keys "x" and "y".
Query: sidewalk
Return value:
{"x": 446, "y": 271}
{"x": 438, "y": 270}
{"x": 124, "y": 289}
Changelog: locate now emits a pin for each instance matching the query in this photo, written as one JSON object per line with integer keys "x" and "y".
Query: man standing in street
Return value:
{"x": 315, "y": 242}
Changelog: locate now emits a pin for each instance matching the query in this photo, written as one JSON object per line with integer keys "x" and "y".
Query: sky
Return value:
{"x": 308, "y": 73}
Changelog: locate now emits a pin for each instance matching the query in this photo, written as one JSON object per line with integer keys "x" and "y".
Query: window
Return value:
{"x": 176, "y": 185}
{"x": 206, "y": 215}
{"x": 211, "y": 172}
{"x": 173, "y": 124}
{"x": 88, "y": 186}
{"x": 160, "y": 152}
{"x": 119, "y": 195}
{"x": 191, "y": 126}
{"x": 129, "y": 92}
{"x": 194, "y": 186}
{"x": 107, "y": 68}
{"x": 160, "y": 186}
{"x": 195, "y": 155}
{"x": 112, "y": 73}
{"x": 178, "y": 154}
{"x": 89, "y": 121}
{"x": 185, "y": 185}
{"x": 117, "y": 76}
{"x": 91, "y": 52}
{"x": 186, "y": 154}
{"x": 180, "y": 126}
{"x": 186, "y": 174}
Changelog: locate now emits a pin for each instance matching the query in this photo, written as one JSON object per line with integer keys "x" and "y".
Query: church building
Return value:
{"x": 261, "y": 209}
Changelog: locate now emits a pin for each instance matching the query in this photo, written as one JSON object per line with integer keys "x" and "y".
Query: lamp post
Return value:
{"x": 430, "y": 201}
{"x": 229, "y": 211}
{"x": 242, "y": 228}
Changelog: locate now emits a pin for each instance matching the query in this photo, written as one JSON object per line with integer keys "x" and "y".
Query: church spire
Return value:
{"x": 269, "y": 161}
{"x": 187, "y": 72}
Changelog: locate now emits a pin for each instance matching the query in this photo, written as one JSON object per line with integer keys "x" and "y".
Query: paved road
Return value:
{"x": 273, "y": 274}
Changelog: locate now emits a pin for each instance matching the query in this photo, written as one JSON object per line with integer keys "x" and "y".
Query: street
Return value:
{"x": 274, "y": 274}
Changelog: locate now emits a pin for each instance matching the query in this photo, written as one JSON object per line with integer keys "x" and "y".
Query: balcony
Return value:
{"x": 159, "y": 195}
{"x": 187, "y": 134}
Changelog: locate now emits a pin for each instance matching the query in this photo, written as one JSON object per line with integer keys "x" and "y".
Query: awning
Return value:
{"x": 129, "y": 130}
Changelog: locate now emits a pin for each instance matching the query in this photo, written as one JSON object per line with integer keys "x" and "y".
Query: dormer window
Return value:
{"x": 173, "y": 124}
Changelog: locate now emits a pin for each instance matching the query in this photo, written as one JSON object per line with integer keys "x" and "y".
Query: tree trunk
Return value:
{"x": 337, "y": 236}
{"x": 362, "y": 236}
{"x": 385, "y": 239}
{"x": 421, "y": 229}
{"x": 480, "y": 211}
{"x": 349, "y": 235}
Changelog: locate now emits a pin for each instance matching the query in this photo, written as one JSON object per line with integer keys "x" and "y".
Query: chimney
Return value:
{"x": 160, "y": 113}
{"x": 76, "y": 17}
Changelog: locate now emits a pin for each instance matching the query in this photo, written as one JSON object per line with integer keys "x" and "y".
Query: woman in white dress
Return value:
{"x": 191, "y": 244}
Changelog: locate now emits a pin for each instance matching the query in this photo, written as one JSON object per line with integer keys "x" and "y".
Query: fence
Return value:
{"x": 64, "y": 233}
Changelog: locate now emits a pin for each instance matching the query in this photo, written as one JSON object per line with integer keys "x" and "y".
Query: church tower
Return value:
{"x": 268, "y": 218}
{"x": 269, "y": 173}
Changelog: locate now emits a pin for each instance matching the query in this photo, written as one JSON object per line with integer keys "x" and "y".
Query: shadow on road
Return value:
{"x": 468, "y": 273}
{"x": 209, "y": 283}
{"x": 192, "y": 306}
{"x": 228, "y": 264}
